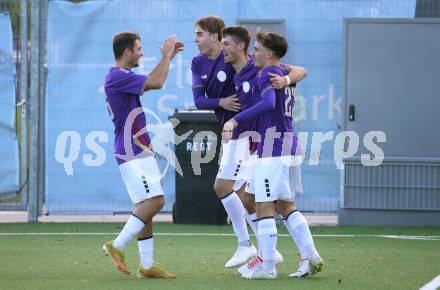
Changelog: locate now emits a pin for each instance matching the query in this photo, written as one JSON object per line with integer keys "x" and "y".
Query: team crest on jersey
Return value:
{"x": 221, "y": 76}
{"x": 246, "y": 87}
{"x": 204, "y": 77}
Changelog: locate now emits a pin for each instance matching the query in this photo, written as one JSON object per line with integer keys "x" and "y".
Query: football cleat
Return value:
{"x": 117, "y": 256}
{"x": 154, "y": 272}
{"x": 316, "y": 265}
{"x": 258, "y": 260}
{"x": 303, "y": 270}
{"x": 258, "y": 273}
{"x": 246, "y": 268}
{"x": 241, "y": 256}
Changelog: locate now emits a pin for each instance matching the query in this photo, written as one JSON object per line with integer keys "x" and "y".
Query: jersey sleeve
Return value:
{"x": 199, "y": 90}
{"x": 264, "y": 83}
{"x": 284, "y": 67}
{"x": 266, "y": 103}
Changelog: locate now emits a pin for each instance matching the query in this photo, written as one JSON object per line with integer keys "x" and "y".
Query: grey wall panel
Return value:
{"x": 398, "y": 184}
{"x": 428, "y": 8}
{"x": 391, "y": 77}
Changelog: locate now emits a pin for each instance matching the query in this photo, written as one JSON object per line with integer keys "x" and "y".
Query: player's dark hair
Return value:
{"x": 273, "y": 41}
{"x": 124, "y": 40}
{"x": 212, "y": 24}
{"x": 239, "y": 33}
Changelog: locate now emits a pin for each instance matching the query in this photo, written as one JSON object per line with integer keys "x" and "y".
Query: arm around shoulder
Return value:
{"x": 296, "y": 73}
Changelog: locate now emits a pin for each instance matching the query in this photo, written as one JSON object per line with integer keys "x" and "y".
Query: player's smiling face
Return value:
{"x": 230, "y": 49}
{"x": 135, "y": 55}
{"x": 260, "y": 53}
{"x": 203, "y": 40}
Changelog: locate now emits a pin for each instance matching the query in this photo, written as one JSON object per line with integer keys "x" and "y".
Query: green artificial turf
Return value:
{"x": 76, "y": 261}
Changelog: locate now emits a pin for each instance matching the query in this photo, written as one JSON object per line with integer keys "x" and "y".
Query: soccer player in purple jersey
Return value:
{"x": 213, "y": 88}
{"x": 235, "y": 41}
{"x": 133, "y": 150}
{"x": 272, "y": 176}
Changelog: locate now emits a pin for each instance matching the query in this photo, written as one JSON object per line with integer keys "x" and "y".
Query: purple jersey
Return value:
{"x": 215, "y": 79}
{"x": 274, "y": 109}
{"x": 123, "y": 89}
{"x": 244, "y": 84}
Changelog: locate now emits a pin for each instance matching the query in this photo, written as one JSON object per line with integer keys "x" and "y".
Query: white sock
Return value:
{"x": 235, "y": 210}
{"x": 146, "y": 252}
{"x": 267, "y": 230}
{"x": 133, "y": 226}
{"x": 302, "y": 235}
{"x": 302, "y": 251}
{"x": 252, "y": 221}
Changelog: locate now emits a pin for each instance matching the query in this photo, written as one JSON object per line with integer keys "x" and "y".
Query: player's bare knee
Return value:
{"x": 250, "y": 209}
{"x": 148, "y": 208}
{"x": 285, "y": 207}
{"x": 159, "y": 201}
{"x": 241, "y": 194}
{"x": 246, "y": 205}
{"x": 221, "y": 188}
{"x": 217, "y": 188}
{"x": 249, "y": 203}
{"x": 265, "y": 209}
{"x": 252, "y": 204}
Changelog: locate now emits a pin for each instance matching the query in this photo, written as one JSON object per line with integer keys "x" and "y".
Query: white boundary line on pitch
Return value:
{"x": 434, "y": 284}
{"x": 404, "y": 237}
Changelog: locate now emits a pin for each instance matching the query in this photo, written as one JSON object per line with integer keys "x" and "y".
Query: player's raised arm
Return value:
{"x": 157, "y": 77}
{"x": 177, "y": 48}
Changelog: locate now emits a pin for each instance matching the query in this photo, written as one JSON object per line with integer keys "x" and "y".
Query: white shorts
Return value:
{"x": 235, "y": 162}
{"x": 274, "y": 179}
{"x": 142, "y": 178}
{"x": 297, "y": 180}
{"x": 250, "y": 188}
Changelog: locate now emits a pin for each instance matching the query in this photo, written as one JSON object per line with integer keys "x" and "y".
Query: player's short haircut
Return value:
{"x": 124, "y": 40}
{"x": 239, "y": 33}
{"x": 212, "y": 24}
{"x": 273, "y": 41}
